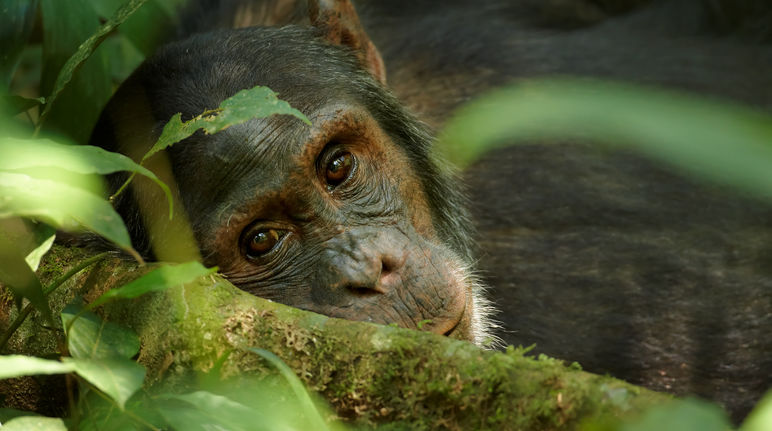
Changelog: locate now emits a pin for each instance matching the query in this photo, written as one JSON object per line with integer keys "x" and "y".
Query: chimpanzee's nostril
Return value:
{"x": 385, "y": 268}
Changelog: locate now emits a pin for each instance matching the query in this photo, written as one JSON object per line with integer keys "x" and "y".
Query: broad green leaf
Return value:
{"x": 258, "y": 102}
{"x": 100, "y": 414}
{"x": 83, "y": 159}
{"x": 207, "y": 411}
{"x": 90, "y": 337}
{"x": 156, "y": 280}
{"x": 717, "y": 140}
{"x": 34, "y": 423}
{"x": 117, "y": 377}
{"x": 61, "y": 14}
{"x": 16, "y": 20}
{"x": 75, "y": 90}
{"x": 19, "y": 154}
{"x": 760, "y": 418}
{"x": 682, "y": 415}
{"x": 20, "y": 365}
{"x": 60, "y": 205}
{"x": 14, "y": 270}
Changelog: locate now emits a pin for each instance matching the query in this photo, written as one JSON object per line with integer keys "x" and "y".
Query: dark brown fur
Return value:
{"x": 606, "y": 259}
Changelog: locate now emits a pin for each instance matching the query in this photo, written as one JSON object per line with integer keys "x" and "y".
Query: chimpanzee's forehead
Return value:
{"x": 198, "y": 73}
{"x": 257, "y": 158}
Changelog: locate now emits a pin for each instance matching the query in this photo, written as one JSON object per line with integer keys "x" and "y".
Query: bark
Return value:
{"x": 370, "y": 374}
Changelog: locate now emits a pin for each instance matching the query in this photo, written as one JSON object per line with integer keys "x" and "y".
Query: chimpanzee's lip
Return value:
{"x": 450, "y": 332}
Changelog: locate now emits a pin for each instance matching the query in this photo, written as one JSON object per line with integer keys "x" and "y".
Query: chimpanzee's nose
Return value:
{"x": 362, "y": 261}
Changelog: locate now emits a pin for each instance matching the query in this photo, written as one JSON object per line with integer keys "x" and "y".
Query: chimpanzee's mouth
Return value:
{"x": 452, "y": 330}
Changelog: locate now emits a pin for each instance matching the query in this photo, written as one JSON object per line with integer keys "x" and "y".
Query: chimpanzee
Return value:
{"x": 349, "y": 217}
{"x": 604, "y": 257}
{"x": 597, "y": 257}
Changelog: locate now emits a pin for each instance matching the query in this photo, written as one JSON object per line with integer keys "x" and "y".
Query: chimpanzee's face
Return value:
{"x": 348, "y": 217}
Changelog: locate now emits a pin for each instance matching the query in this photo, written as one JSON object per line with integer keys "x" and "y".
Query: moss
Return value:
{"x": 376, "y": 375}
{"x": 372, "y": 375}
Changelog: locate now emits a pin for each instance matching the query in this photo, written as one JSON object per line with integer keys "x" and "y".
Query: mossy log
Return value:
{"x": 370, "y": 374}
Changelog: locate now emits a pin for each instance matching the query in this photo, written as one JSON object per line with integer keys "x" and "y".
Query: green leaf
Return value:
{"x": 76, "y": 106}
{"x": 32, "y": 239}
{"x": 16, "y": 20}
{"x": 14, "y": 270}
{"x": 19, "y": 154}
{"x": 60, "y": 205}
{"x": 258, "y": 102}
{"x": 297, "y": 386}
{"x": 117, "y": 377}
{"x": 101, "y": 414}
{"x": 83, "y": 159}
{"x": 148, "y": 27}
{"x": 34, "y": 423}
{"x": 156, "y": 280}
{"x": 206, "y": 411}
{"x": 90, "y": 337}
{"x": 20, "y": 365}
{"x": 62, "y": 14}
{"x": 682, "y": 415}
{"x": 716, "y": 140}
{"x": 123, "y": 57}
{"x": 34, "y": 257}
{"x": 760, "y": 418}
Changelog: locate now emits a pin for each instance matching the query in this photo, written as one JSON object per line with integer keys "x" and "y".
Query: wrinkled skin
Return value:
{"x": 602, "y": 258}
{"x": 348, "y": 217}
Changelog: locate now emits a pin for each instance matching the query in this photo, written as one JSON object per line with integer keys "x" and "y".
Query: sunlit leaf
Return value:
{"x": 717, "y": 140}
{"x": 60, "y": 205}
{"x": 156, "y": 280}
{"x": 20, "y": 365}
{"x": 34, "y": 423}
{"x": 258, "y": 102}
{"x": 681, "y": 415}
{"x": 296, "y": 385}
{"x": 118, "y": 378}
{"x": 206, "y": 411}
{"x": 760, "y": 418}
{"x": 90, "y": 337}
{"x": 34, "y": 257}
{"x": 20, "y": 154}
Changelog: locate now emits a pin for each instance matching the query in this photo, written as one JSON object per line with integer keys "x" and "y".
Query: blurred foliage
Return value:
{"x": 716, "y": 140}
{"x": 70, "y": 59}
{"x": 65, "y": 58}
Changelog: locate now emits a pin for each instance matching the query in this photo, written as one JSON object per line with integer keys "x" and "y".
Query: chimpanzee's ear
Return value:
{"x": 340, "y": 25}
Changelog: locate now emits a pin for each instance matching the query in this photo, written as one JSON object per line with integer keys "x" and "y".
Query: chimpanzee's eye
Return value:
{"x": 261, "y": 242}
{"x": 339, "y": 168}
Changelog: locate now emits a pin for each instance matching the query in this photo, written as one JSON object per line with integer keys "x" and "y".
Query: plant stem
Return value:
{"x": 50, "y": 288}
